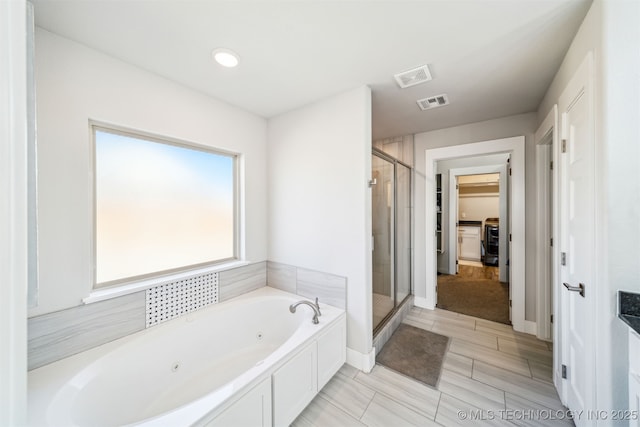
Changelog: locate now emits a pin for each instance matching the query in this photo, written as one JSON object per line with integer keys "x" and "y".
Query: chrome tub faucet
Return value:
{"x": 315, "y": 307}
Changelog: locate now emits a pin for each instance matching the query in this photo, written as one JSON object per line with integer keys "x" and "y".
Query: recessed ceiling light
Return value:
{"x": 225, "y": 57}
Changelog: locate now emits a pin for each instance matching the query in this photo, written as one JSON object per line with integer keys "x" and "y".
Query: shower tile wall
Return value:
{"x": 399, "y": 147}
{"x": 392, "y": 206}
{"x": 382, "y": 203}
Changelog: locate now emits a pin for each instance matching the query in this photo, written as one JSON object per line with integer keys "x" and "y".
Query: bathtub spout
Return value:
{"x": 315, "y": 307}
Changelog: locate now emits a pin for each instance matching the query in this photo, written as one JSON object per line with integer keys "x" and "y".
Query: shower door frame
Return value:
{"x": 397, "y": 304}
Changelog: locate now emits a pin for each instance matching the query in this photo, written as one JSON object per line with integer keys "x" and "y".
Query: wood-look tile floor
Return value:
{"x": 492, "y": 376}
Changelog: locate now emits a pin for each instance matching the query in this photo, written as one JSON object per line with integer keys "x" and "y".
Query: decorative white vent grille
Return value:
{"x": 183, "y": 296}
{"x": 413, "y": 77}
{"x": 433, "y": 102}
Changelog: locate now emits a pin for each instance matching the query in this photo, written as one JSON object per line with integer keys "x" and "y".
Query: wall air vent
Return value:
{"x": 413, "y": 77}
{"x": 433, "y": 102}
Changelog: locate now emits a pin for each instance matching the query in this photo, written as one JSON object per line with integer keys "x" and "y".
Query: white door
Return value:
{"x": 507, "y": 265}
{"x": 456, "y": 212}
{"x": 578, "y": 237}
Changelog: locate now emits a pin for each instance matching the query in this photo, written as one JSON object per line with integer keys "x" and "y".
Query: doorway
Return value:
{"x": 474, "y": 278}
{"x": 478, "y": 221}
{"x": 391, "y": 190}
{"x": 513, "y": 146}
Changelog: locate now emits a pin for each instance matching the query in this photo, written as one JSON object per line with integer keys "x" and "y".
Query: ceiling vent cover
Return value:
{"x": 433, "y": 102}
{"x": 413, "y": 77}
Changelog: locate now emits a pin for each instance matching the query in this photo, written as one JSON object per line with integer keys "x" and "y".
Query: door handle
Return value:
{"x": 579, "y": 288}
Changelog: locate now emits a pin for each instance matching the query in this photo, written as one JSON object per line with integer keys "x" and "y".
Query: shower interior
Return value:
{"x": 392, "y": 231}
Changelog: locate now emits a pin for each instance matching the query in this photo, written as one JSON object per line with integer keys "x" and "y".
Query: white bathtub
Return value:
{"x": 182, "y": 371}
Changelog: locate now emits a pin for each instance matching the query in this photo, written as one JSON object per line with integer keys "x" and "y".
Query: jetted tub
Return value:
{"x": 189, "y": 370}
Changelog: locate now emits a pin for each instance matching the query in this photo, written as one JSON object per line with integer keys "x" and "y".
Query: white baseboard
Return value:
{"x": 422, "y": 303}
{"x": 530, "y": 327}
{"x": 361, "y": 361}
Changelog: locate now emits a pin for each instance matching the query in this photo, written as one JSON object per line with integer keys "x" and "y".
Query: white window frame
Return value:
{"x": 110, "y": 289}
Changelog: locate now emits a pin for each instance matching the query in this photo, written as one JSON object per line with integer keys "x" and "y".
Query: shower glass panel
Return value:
{"x": 403, "y": 232}
{"x": 382, "y": 199}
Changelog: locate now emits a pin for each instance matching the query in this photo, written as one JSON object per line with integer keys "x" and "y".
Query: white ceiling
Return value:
{"x": 493, "y": 58}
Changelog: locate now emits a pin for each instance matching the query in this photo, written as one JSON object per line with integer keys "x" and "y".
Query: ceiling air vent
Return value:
{"x": 413, "y": 77}
{"x": 433, "y": 102}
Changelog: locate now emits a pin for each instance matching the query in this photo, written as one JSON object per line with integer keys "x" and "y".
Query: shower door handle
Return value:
{"x": 579, "y": 288}
{"x": 372, "y": 182}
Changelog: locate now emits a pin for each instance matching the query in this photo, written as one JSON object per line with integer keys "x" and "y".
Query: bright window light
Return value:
{"x": 160, "y": 206}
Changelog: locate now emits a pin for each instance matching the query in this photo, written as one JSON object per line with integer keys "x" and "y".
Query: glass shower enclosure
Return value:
{"x": 391, "y": 229}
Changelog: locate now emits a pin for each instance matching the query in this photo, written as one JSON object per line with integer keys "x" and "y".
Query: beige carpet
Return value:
{"x": 483, "y": 298}
{"x": 416, "y": 353}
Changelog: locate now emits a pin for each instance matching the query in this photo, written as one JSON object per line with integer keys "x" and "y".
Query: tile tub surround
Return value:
{"x": 629, "y": 309}
{"x": 54, "y": 336}
{"x": 328, "y": 288}
{"x": 241, "y": 280}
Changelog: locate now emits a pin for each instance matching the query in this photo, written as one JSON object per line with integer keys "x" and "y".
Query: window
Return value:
{"x": 160, "y": 206}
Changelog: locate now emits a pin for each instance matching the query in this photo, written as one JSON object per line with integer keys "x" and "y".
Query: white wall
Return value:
{"x": 319, "y": 201}
{"x": 621, "y": 137}
{"x": 479, "y": 207}
{"x": 75, "y": 84}
{"x": 522, "y": 124}
{"x": 13, "y": 213}
{"x": 611, "y": 30}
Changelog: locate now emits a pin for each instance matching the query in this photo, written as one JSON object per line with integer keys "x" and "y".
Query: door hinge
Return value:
{"x": 563, "y": 258}
{"x": 564, "y": 372}
{"x": 551, "y": 315}
{"x": 551, "y": 242}
{"x": 509, "y": 236}
{"x": 457, "y": 187}
{"x": 456, "y": 262}
{"x": 509, "y": 171}
{"x": 551, "y": 165}
{"x": 509, "y": 303}
{"x": 564, "y": 145}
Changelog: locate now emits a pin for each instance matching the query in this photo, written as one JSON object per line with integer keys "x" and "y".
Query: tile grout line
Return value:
{"x": 367, "y": 408}
{"x": 337, "y": 408}
{"x": 520, "y": 395}
{"x": 393, "y": 398}
{"x": 435, "y": 415}
{"x": 530, "y": 370}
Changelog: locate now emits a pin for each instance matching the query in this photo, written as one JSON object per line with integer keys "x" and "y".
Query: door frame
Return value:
{"x": 504, "y": 223}
{"x": 546, "y": 139}
{"x": 515, "y": 146}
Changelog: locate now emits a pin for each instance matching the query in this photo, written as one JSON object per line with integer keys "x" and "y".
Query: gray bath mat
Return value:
{"x": 415, "y": 353}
